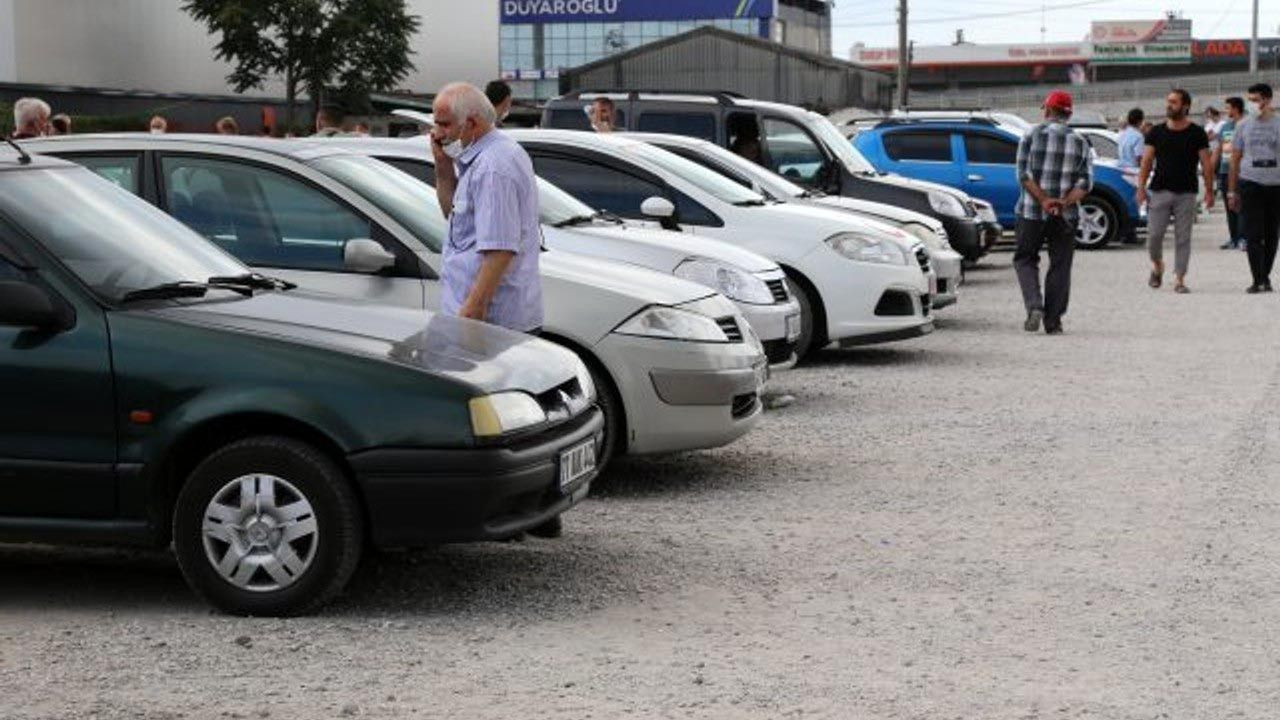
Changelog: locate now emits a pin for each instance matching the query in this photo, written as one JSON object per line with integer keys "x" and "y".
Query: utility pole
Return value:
{"x": 1253, "y": 40}
{"x": 904, "y": 54}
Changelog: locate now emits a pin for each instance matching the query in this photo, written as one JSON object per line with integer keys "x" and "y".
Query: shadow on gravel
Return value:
{"x": 665, "y": 476}
{"x": 871, "y": 356}
{"x": 39, "y": 577}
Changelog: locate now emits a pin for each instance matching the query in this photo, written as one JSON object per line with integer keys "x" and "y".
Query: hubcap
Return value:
{"x": 1094, "y": 225}
{"x": 260, "y": 533}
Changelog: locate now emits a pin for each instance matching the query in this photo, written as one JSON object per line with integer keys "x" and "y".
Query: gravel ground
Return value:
{"x": 976, "y": 524}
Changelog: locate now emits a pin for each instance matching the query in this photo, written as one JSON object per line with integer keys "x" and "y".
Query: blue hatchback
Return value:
{"x": 978, "y": 156}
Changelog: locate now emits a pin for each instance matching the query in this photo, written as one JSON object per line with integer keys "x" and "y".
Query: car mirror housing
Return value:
{"x": 366, "y": 256}
{"x": 657, "y": 207}
{"x": 25, "y": 305}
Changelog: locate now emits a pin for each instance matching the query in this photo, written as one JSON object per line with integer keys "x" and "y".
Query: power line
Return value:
{"x": 981, "y": 16}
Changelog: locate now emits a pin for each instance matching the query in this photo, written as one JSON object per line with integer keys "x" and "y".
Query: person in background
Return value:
{"x": 328, "y": 122}
{"x": 360, "y": 129}
{"x": 1130, "y": 140}
{"x": 158, "y": 125}
{"x": 1212, "y": 124}
{"x": 1055, "y": 168}
{"x": 602, "y": 114}
{"x": 744, "y": 138}
{"x": 60, "y": 124}
{"x": 1222, "y": 164}
{"x": 30, "y": 118}
{"x": 499, "y": 94}
{"x": 227, "y": 126}
{"x": 1173, "y": 149}
{"x": 1255, "y": 183}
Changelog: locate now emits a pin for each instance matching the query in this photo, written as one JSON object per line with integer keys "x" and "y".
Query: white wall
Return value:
{"x": 153, "y": 45}
{"x": 8, "y": 54}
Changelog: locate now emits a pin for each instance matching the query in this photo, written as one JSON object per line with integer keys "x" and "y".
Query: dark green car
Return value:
{"x": 153, "y": 390}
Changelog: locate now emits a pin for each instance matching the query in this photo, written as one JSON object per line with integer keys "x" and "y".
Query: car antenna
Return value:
{"x": 23, "y": 157}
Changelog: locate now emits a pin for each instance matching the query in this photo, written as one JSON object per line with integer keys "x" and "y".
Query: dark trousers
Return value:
{"x": 1233, "y": 218}
{"x": 1260, "y": 206}
{"x": 1060, "y": 236}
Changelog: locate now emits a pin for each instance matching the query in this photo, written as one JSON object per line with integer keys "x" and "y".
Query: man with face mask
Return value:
{"x": 1254, "y": 184}
{"x": 1174, "y": 148}
{"x": 486, "y": 187}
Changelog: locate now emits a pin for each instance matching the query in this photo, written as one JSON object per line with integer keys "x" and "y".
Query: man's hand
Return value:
{"x": 1142, "y": 196}
{"x": 1208, "y": 199}
{"x": 437, "y": 150}
{"x": 473, "y": 309}
{"x": 1233, "y": 202}
{"x": 1051, "y": 206}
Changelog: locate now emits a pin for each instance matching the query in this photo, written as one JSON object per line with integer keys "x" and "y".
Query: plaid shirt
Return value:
{"x": 1058, "y": 160}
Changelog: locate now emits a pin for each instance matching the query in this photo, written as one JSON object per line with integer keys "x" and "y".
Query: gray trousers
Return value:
{"x": 1163, "y": 205}
{"x": 1060, "y": 236}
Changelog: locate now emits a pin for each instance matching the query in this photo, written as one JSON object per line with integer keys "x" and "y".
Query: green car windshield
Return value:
{"x": 112, "y": 240}
{"x": 408, "y": 201}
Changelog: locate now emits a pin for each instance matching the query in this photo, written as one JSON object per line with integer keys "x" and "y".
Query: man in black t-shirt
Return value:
{"x": 1174, "y": 148}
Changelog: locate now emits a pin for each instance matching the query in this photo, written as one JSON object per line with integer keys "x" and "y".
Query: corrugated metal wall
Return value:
{"x": 715, "y": 63}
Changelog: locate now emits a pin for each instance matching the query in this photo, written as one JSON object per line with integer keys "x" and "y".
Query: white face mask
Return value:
{"x": 1257, "y": 108}
{"x": 454, "y": 149}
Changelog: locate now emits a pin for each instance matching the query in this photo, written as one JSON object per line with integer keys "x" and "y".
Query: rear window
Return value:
{"x": 929, "y": 146}
{"x": 990, "y": 150}
{"x": 699, "y": 125}
{"x": 576, "y": 118}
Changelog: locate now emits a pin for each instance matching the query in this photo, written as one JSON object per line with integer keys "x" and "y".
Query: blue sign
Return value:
{"x": 559, "y": 11}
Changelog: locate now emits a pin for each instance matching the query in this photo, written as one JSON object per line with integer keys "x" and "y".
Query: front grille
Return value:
{"x": 942, "y": 286}
{"x": 926, "y": 304}
{"x": 778, "y": 351}
{"x": 743, "y": 405}
{"x": 730, "y": 328}
{"x": 779, "y": 289}
{"x": 895, "y": 303}
{"x": 563, "y": 401}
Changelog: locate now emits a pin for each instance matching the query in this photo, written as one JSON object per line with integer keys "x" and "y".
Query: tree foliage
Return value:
{"x": 353, "y": 46}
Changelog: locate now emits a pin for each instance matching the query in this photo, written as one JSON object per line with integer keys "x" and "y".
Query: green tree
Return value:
{"x": 360, "y": 46}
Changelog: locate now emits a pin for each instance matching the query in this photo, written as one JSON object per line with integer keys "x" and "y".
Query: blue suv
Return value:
{"x": 978, "y": 156}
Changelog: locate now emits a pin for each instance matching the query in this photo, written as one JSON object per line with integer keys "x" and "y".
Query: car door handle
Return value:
{"x": 975, "y": 178}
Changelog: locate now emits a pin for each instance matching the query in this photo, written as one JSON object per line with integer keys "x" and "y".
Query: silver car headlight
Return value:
{"x": 504, "y": 412}
{"x": 585, "y": 382}
{"x": 729, "y": 280}
{"x": 945, "y": 204}
{"x": 931, "y": 239}
{"x": 668, "y": 323}
{"x": 868, "y": 248}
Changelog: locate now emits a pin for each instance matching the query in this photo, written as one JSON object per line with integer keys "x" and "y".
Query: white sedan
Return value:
{"x": 858, "y": 281}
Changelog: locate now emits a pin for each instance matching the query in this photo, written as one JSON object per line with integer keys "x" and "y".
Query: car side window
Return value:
{"x": 600, "y": 187}
{"x": 262, "y": 216}
{"x": 9, "y": 271}
{"x": 987, "y": 149}
{"x": 123, "y": 170}
{"x": 792, "y": 152}
{"x": 577, "y": 119}
{"x": 928, "y": 146}
{"x": 417, "y": 170}
{"x": 693, "y": 124}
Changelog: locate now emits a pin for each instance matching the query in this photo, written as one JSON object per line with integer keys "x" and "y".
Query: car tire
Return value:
{"x": 615, "y": 421}
{"x": 804, "y": 345}
{"x": 267, "y": 526}
{"x": 1099, "y": 223}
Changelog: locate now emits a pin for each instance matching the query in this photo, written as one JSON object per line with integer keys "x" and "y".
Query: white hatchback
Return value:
{"x": 858, "y": 281}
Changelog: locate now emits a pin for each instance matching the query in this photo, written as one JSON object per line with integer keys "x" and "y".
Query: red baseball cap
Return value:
{"x": 1058, "y": 100}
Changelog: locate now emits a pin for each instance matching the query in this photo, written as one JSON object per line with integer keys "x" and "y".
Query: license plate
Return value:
{"x": 576, "y": 463}
{"x": 793, "y": 327}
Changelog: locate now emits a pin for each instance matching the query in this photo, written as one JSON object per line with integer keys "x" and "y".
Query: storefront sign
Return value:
{"x": 1141, "y": 53}
{"x": 559, "y": 11}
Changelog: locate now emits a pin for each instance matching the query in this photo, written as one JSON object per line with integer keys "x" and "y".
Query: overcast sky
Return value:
{"x": 934, "y": 22}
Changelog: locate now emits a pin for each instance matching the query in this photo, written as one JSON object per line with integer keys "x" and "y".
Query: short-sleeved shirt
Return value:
{"x": 495, "y": 207}
{"x": 1058, "y": 159}
{"x": 1177, "y": 156}
{"x": 1226, "y": 132}
{"x": 1130, "y": 146}
{"x": 1259, "y": 142}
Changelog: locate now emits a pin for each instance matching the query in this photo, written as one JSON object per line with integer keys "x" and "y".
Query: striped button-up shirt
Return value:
{"x": 1058, "y": 160}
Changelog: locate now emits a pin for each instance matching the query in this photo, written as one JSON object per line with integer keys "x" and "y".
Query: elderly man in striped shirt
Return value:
{"x": 1056, "y": 173}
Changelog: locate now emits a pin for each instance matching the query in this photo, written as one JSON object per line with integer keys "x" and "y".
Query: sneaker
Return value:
{"x": 1033, "y": 320}
{"x": 1266, "y": 286}
{"x": 1181, "y": 289}
{"x": 1053, "y": 328}
{"x": 1228, "y": 245}
{"x": 1253, "y": 289}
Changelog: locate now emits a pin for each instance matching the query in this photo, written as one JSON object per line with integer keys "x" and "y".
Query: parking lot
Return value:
{"x": 980, "y": 523}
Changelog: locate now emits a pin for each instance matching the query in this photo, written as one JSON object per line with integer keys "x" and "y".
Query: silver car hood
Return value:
{"x": 660, "y": 250}
{"x": 642, "y": 286}
{"x": 485, "y": 356}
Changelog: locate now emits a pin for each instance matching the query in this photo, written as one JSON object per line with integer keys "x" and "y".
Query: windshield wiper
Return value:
{"x": 253, "y": 281}
{"x": 609, "y": 217}
{"x": 749, "y": 203}
{"x": 575, "y": 220}
{"x": 179, "y": 289}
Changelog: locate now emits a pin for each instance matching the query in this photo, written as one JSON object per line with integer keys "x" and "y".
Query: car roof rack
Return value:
{"x": 890, "y": 121}
{"x": 724, "y": 97}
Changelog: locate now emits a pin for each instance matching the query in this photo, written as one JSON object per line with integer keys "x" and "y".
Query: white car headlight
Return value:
{"x": 668, "y": 323}
{"x": 868, "y": 248}
{"x": 926, "y": 235}
{"x": 945, "y": 204}
{"x": 504, "y": 412}
{"x": 729, "y": 280}
{"x": 585, "y": 382}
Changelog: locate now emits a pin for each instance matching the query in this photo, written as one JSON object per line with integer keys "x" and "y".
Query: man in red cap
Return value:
{"x": 1056, "y": 172}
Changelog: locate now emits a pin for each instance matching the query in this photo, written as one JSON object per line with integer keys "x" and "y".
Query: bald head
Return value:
{"x": 464, "y": 101}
